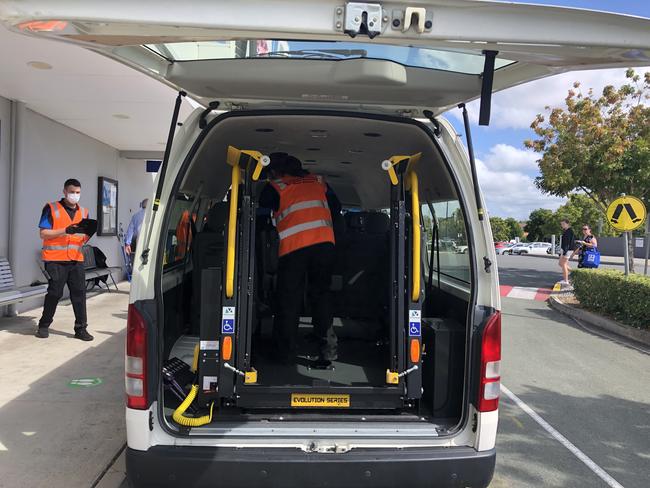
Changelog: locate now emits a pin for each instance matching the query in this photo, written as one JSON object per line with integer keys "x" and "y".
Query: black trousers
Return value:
{"x": 73, "y": 274}
{"x": 315, "y": 263}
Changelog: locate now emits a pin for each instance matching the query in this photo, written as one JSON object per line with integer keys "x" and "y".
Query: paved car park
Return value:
{"x": 574, "y": 411}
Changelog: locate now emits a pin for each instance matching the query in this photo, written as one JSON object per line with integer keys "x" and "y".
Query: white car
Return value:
{"x": 357, "y": 92}
{"x": 535, "y": 248}
{"x": 515, "y": 248}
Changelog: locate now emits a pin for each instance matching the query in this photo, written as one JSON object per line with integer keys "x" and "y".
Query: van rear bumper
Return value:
{"x": 169, "y": 466}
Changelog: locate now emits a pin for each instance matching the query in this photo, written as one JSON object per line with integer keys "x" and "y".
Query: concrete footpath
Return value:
{"x": 61, "y": 399}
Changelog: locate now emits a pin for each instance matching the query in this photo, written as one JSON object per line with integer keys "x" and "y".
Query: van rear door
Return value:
{"x": 393, "y": 57}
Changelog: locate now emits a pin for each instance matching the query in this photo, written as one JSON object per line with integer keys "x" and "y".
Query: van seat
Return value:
{"x": 207, "y": 252}
{"x": 365, "y": 271}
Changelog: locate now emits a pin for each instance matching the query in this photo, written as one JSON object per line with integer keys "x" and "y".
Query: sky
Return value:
{"x": 506, "y": 169}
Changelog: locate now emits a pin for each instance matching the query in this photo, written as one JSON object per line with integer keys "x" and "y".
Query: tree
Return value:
{"x": 540, "y": 224}
{"x": 599, "y": 145}
{"x": 500, "y": 230}
{"x": 579, "y": 210}
{"x": 514, "y": 229}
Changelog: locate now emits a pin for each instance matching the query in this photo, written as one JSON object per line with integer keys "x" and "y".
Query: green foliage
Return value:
{"x": 626, "y": 299}
{"x": 580, "y": 209}
{"x": 597, "y": 144}
{"x": 499, "y": 229}
{"x": 540, "y": 224}
{"x": 514, "y": 229}
{"x": 505, "y": 229}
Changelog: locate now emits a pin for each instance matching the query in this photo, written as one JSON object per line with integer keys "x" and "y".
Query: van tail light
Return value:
{"x": 43, "y": 26}
{"x": 490, "y": 385}
{"x": 136, "y": 360}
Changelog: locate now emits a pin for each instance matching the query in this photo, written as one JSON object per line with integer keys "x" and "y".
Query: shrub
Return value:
{"x": 626, "y": 299}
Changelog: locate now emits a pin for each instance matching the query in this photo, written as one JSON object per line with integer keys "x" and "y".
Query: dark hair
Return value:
{"x": 286, "y": 164}
{"x": 587, "y": 226}
{"x": 71, "y": 182}
{"x": 566, "y": 221}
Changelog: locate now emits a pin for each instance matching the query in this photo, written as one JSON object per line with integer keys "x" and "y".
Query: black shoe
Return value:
{"x": 42, "y": 333}
{"x": 321, "y": 363}
{"x": 82, "y": 334}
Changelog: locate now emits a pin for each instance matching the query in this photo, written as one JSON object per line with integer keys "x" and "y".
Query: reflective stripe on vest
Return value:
{"x": 303, "y": 218}
{"x": 301, "y": 206}
{"x": 66, "y": 247}
{"x": 314, "y": 224}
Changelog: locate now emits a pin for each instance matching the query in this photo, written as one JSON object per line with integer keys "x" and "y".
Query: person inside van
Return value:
{"x": 567, "y": 246}
{"x": 303, "y": 206}
{"x": 588, "y": 241}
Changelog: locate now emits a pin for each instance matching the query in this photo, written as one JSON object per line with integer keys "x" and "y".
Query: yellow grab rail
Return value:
{"x": 412, "y": 185}
{"x": 232, "y": 158}
{"x": 415, "y": 210}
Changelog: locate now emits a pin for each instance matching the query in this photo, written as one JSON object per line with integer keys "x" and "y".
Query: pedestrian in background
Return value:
{"x": 567, "y": 246}
{"x": 63, "y": 235}
{"x": 133, "y": 231}
{"x": 588, "y": 241}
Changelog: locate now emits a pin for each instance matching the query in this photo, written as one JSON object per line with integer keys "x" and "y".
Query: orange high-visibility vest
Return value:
{"x": 303, "y": 217}
{"x": 66, "y": 247}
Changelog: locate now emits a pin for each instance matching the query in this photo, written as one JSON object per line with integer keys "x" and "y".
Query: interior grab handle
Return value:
{"x": 415, "y": 225}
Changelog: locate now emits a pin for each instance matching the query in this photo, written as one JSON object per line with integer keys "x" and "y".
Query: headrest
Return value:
{"x": 367, "y": 222}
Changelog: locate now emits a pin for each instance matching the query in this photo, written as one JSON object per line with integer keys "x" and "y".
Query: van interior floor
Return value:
{"x": 361, "y": 360}
{"x": 362, "y": 357}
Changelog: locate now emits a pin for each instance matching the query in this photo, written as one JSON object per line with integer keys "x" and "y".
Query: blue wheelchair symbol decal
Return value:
{"x": 228, "y": 326}
{"x": 414, "y": 329}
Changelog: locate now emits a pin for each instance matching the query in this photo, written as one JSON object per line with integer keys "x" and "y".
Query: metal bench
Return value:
{"x": 9, "y": 293}
{"x": 93, "y": 273}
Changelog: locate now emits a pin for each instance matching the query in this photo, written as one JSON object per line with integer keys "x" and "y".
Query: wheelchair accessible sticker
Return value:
{"x": 228, "y": 320}
{"x": 415, "y": 329}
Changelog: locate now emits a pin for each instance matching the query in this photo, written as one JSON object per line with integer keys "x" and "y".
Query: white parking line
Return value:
{"x": 587, "y": 461}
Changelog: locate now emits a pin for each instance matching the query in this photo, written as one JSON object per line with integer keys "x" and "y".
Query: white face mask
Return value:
{"x": 73, "y": 198}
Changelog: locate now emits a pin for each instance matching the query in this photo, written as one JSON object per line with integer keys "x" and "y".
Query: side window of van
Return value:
{"x": 452, "y": 239}
{"x": 178, "y": 235}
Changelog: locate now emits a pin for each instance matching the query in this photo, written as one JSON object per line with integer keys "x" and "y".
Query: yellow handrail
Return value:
{"x": 232, "y": 231}
{"x": 415, "y": 209}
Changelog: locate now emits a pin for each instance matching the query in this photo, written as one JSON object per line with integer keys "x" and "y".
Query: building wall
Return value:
{"x": 5, "y": 149}
{"x": 47, "y": 154}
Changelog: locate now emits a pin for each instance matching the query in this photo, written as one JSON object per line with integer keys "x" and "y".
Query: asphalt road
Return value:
{"x": 540, "y": 272}
{"x": 590, "y": 389}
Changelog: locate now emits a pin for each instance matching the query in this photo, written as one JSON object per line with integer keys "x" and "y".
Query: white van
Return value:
{"x": 356, "y": 92}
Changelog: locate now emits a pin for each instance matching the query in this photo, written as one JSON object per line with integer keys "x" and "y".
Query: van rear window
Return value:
{"x": 416, "y": 57}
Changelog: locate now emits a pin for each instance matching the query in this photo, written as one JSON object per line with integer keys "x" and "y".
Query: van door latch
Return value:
{"x": 359, "y": 18}
{"x": 487, "y": 264}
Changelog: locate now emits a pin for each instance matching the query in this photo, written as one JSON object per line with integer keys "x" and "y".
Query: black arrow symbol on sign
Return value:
{"x": 619, "y": 210}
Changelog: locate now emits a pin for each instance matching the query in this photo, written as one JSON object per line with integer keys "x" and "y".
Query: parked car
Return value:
{"x": 535, "y": 248}
{"x": 461, "y": 249}
{"x": 558, "y": 250}
{"x": 515, "y": 248}
{"x": 311, "y": 81}
{"x": 504, "y": 249}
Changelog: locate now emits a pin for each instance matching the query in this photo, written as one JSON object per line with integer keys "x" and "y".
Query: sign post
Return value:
{"x": 626, "y": 213}
{"x": 647, "y": 246}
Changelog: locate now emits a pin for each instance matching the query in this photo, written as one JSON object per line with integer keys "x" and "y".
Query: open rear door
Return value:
{"x": 396, "y": 57}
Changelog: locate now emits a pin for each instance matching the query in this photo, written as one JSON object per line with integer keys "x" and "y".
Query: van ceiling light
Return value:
{"x": 121, "y": 116}
{"x": 264, "y": 129}
{"x": 39, "y": 65}
{"x": 318, "y": 133}
{"x": 313, "y": 149}
{"x": 346, "y": 162}
{"x": 372, "y": 134}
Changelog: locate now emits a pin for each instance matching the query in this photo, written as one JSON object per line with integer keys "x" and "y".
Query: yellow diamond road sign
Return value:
{"x": 626, "y": 213}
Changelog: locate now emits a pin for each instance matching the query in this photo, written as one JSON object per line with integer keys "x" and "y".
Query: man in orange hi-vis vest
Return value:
{"x": 303, "y": 206}
{"x": 63, "y": 258}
